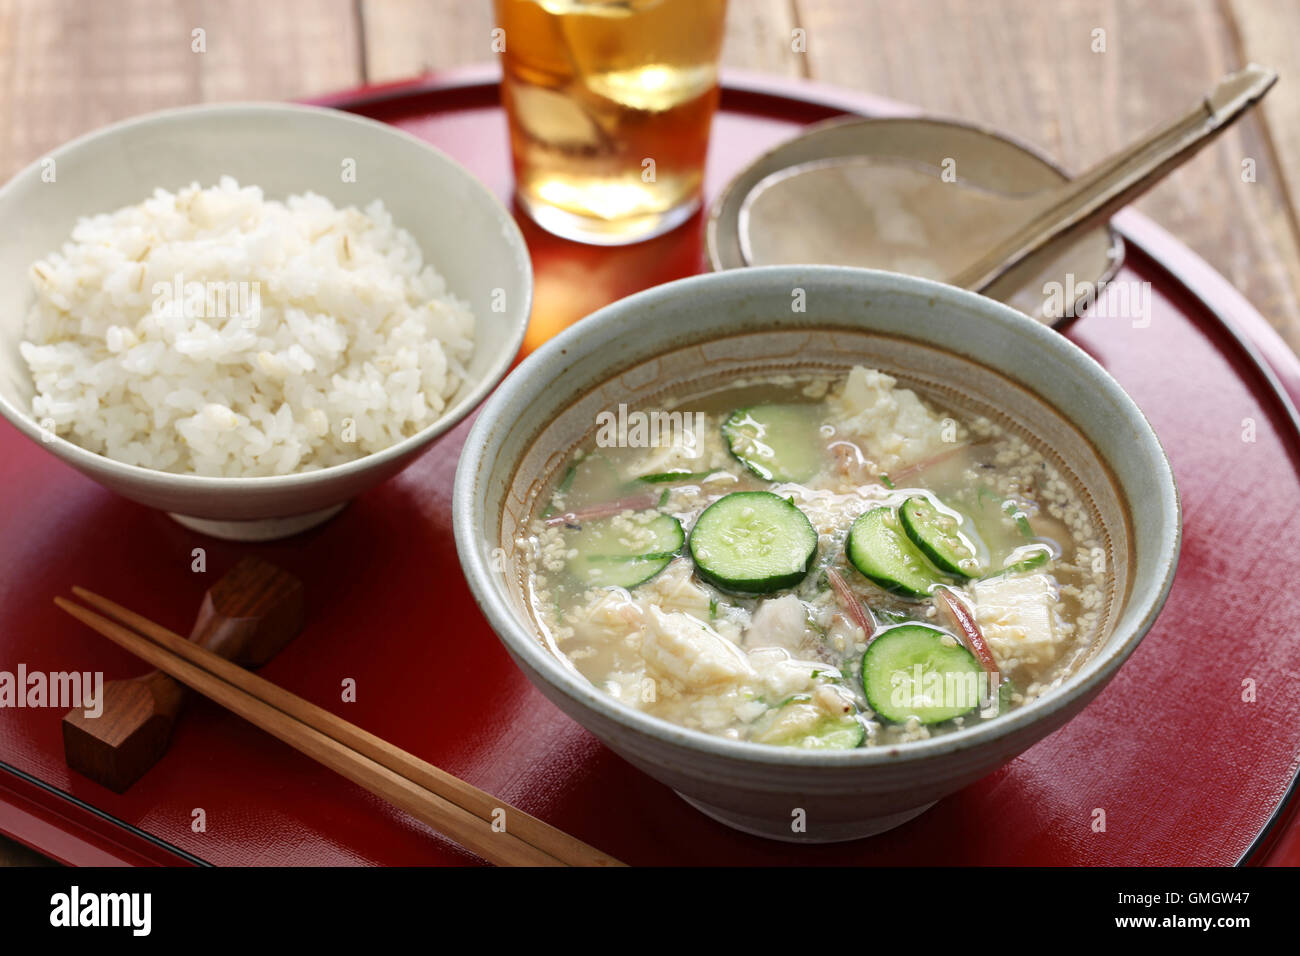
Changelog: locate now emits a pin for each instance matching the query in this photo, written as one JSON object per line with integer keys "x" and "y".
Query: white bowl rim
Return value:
{"x": 179, "y": 482}
{"x": 1088, "y": 680}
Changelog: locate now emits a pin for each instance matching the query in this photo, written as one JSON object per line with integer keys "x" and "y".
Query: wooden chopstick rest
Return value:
{"x": 247, "y": 616}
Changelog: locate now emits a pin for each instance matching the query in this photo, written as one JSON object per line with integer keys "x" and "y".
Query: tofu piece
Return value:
{"x": 893, "y": 425}
{"x": 608, "y": 617}
{"x": 792, "y": 723}
{"x": 686, "y": 441}
{"x": 689, "y": 651}
{"x": 1017, "y": 614}
{"x": 675, "y": 590}
{"x": 778, "y": 622}
{"x": 783, "y": 675}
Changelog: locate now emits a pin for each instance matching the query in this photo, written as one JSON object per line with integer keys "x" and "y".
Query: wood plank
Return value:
{"x": 1266, "y": 32}
{"x": 760, "y": 36}
{"x": 68, "y": 66}
{"x": 409, "y": 37}
{"x": 1029, "y": 69}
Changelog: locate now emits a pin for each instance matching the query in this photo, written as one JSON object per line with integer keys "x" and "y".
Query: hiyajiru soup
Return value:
{"x": 815, "y": 560}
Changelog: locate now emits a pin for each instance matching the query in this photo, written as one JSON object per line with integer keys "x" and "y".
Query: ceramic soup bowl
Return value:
{"x": 942, "y": 340}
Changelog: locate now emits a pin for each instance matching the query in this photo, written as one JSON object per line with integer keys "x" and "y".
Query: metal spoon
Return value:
{"x": 905, "y": 216}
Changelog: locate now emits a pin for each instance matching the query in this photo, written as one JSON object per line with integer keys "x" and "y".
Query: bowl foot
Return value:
{"x": 258, "y": 529}
{"x": 780, "y": 829}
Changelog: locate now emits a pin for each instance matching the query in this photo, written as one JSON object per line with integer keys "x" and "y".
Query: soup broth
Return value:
{"x": 817, "y": 561}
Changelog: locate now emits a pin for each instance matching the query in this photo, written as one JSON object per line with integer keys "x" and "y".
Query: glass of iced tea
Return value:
{"x": 610, "y": 103}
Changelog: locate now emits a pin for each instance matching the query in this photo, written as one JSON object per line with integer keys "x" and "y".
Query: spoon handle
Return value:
{"x": 1118, "y": 179}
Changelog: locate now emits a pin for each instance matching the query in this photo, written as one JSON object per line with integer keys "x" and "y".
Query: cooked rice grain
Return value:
{"x": 304, "y": 335}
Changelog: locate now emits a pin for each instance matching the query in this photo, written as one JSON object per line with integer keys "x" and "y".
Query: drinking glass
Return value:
{"x": 609, "y": 105}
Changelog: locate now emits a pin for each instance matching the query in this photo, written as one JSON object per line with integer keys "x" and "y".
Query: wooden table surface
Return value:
{"x": 1079, "y": 78}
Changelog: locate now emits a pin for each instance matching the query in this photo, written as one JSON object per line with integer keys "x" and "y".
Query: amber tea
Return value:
{"x": 610, "y": 103}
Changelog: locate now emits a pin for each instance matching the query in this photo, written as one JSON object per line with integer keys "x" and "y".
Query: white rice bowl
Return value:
{"x": 215, "y": 332}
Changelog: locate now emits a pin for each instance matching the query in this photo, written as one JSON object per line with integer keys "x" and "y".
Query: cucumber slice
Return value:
{"x": 798, "y": 722}
{"x": 950, "y": 680}
{"x": 891, "y": 617}
{"x": 1013, "y": 511}
{"x": 594, "y": 478}
{"x": 776, "y": 442}
{"x": 938, "y": 535}
{"x": 609, "y": 555}
{"x": 879, "y": 548}
{"x": 1031, "y": 563}
{"x": 753, "y": 542}
{"x": 1005, "y": 690}
{"x": 662, "y": 477}
{"x": 1008, "y": 507}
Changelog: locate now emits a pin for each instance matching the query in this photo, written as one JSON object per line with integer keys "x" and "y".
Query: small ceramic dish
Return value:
{"x": 458, "y": 223}
{"x": 984, "y": 158}
{"x": 680, "y": 337}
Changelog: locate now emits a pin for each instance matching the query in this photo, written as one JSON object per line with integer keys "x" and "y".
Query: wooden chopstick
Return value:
{"x": 454, "y": 821}
{"x": 455, "y": 808}
{"x": 530, "y": 829}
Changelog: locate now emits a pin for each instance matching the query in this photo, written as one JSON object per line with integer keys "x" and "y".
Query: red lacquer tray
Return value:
{"x": 1187, "y": 772}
